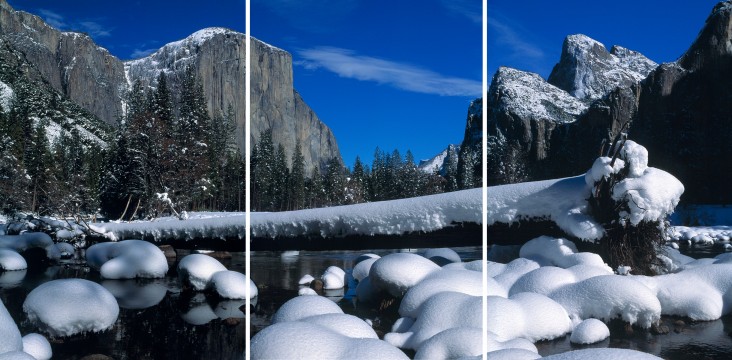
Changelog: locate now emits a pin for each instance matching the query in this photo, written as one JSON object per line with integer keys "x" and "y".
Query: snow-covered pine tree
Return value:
{"x": 451, "y": 166}
{"x": 296, "y": 183}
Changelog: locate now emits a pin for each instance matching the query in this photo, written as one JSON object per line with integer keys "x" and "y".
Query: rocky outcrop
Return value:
{"x": 587, "y": 71}
{"x": 70, "y": 62}
{"x": 217, "y": 56}
{"x": 277, "y": 106}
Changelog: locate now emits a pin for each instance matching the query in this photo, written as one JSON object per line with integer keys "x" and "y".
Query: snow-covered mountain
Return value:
{"x": 437, "y": 162}
{"x": 587, "y": 71}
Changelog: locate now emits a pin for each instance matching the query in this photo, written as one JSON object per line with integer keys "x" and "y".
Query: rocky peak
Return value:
{"x": 714, "y": 41}
{"x": 588, "y": 71}
{"x": 528, "y": 95}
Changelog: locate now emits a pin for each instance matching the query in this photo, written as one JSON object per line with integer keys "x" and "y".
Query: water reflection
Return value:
{"x": 136, "y": 293}
{"x": 150, "y": 324}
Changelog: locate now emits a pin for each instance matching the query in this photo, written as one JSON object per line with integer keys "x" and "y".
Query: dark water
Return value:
{"x": 156, "y": 320}
{"x": 276, "y": 275}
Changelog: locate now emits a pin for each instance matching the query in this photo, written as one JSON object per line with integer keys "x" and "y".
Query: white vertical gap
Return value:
{"x": 485, "y": 177}
{"x": 247, "y": 207}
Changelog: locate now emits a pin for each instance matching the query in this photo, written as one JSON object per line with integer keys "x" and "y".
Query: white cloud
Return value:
{"x": 141, "y": 53}
{"x": 348, "y": 64}
{"x": 52, "y": 18}
{"x": 58, "y": 21}
{"x": 468, "y": 8}
{"x": 506, "y": 35}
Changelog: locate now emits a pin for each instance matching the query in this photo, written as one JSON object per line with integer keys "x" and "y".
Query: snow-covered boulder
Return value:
{"x": 128, "y": 259}
{"x": 511, "y": 354}
{"x": 452, "y": 344}
{"x": 37, "y": 346}
{"x": 196, "y": 270}
{"x": 527, "y": 315}
{"x": 462, "y": 281}
{"x": 306, "y": 291}
{"x": 71, "y": 306}
{"x": 30, "y": 240}
{"x": 396, "y": 273}
{"x": 10, "y": 339}
{"x": 608, "y": 297}
{"x": 305, "y": 280}
{"x": 590, "y": 331}
{"x": 442, "y": 311}
{"x": 11, "y": 260}
{"x": 442, "y": 256}
{"x": 344, "y": 324}
{"x": 362, "y": 268}
{"x": 305, "y": 306}
{"x": 560, "y": 252}
{"x": 334, "y": 278}
{"x": 232, "y": 285}
{"x": 305, "y": 340}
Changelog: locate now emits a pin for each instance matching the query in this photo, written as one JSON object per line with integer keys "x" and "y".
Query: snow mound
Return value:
{"x": 398, "y": 272}
{"x": 442, "y": 256}
{"x": 305, "y": 280}
{"x": 445, "y": 310}
{"x": 196, "y": 270}
{"x": 344, "y": 324}
{"x": 10, "y": 339}
{"x": 590, "y": 331}
{"x": 512, "y": 354}
{"x": 66, "y": 249}
{"x": 494, "y": 344}
{"x": 30, "y": 240}
{"x": 603, "y": 354}
{"x": 128, "y": 259}
{"x": 652, "y": 196}
{"x": 71, "y": 306}
{"x": 362, "y": 269}
{"x": 305, "y": 306}
{"x": 37, "y": 346}
{"x": 601, "y": 169}
{"x": 231, "y": 285}
{"x": 462, "y": 281}
{"x": 608, "y": 297}
{"x": 527, "y": 315}
{"x": 11, "y": 260}
{"x": 452, "y": 344}
{"x": 306, "y": 291}
{"x": 304, "y": 340}
{"x": 560, "y": 252}
{"x": 508, "y": 274}
{"x": 334, "y": 278}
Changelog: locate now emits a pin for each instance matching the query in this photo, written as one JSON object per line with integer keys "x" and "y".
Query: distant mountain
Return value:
{"x": 72, "y": 66}
{"x": 679, "y": 111}
{"x": 437, "y": 162}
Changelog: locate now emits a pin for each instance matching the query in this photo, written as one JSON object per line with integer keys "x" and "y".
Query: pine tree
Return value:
{"x": 359, "y": 182}
{"x": 296, "y": 184}
{"x": 334, "y": 182}
{"x": 450, "y": 164}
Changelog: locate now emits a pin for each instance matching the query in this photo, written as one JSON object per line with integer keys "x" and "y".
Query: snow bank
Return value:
{"x": 216, "y": 226}
{"x": 590, "y": 331}
{"x": 563, "y": 201}
{"x": 128, "y": 259}
{"x": 71, "y": 306}
{"x": 304, "y": 340}
{"x": 196, "y": 270}
{"x": 426, "y": 213}
{"x": 37, "y": 346}
{"x": 396, "y": 273}
{"x": 11, "y": 261}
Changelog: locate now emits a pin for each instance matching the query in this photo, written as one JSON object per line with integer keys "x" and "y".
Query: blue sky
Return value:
{"x": 529, "y": 37}
{"x": 132, "y": 29}
{"x": 393, "y": 74}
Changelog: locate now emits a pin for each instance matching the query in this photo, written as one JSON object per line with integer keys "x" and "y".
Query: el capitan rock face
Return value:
{"x": 681, "y": 110}
{"x": 74, "y": 66}
{"x": 276, "y": 105}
